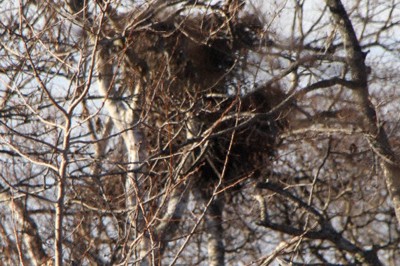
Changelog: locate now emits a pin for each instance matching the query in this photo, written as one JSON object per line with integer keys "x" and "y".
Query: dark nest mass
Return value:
{"x": 193, "y": 65}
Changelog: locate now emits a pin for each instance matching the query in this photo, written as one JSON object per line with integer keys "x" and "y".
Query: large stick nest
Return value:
{"x": 191, "y": 65}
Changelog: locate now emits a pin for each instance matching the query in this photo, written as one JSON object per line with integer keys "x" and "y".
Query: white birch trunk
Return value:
{"x": 126, "y": 121}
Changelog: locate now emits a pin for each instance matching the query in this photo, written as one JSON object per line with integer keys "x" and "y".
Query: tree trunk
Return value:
{"x": 376, "y": 134}
{"x": 215, "y": 233}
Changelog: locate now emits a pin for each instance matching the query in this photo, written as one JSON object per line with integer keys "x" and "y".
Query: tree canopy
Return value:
{"x": 199, "y": 132}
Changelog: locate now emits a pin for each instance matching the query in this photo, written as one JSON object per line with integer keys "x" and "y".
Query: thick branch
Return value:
{"x": 327, "y": 232}
{"x": 30, "y": 229}
{"x": 173, "y": 216}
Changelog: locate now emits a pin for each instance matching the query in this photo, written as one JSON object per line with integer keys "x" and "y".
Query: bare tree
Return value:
{"x": 199, "y": 132}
